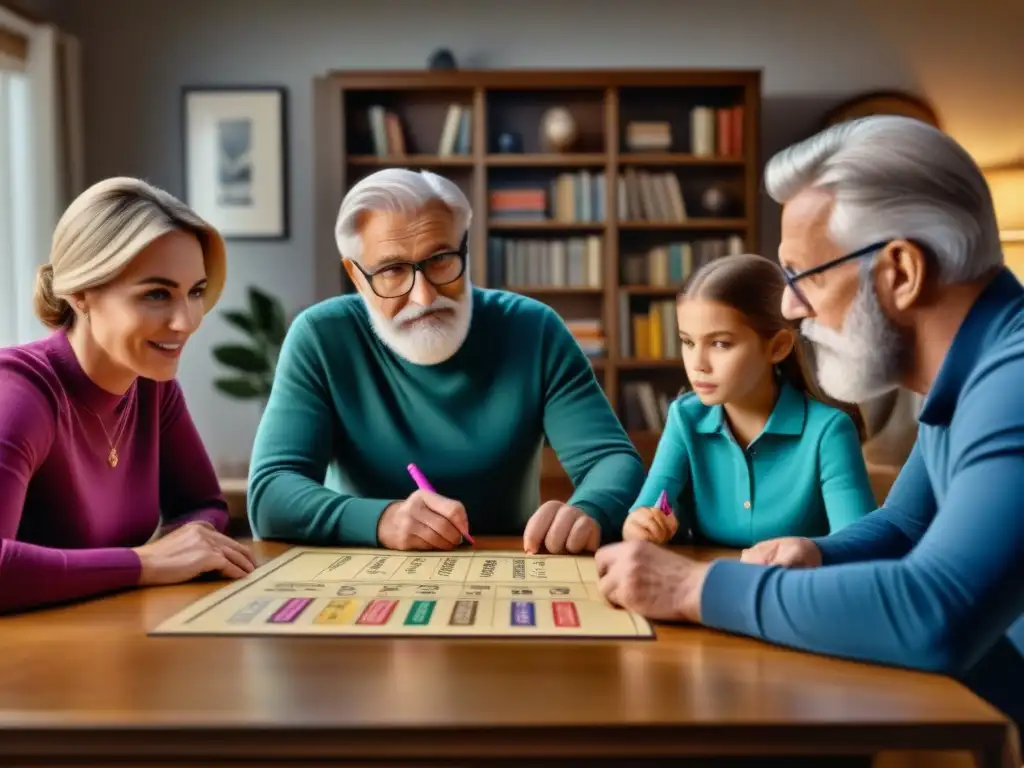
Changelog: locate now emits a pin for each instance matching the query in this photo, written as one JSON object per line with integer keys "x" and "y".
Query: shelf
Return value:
{"x": 419, "y": 161}
{"x": 556, "y": 290}
{"x": 651, "y": 290}
{"x": 554, "y": 226}
{"x": 512, "y": 160}
{"x": 704, "y": 111}
{"x": 554, "y": 160}
{"x": 646, "y": 443}
{"x": 643, "y": 435}
{"x": 691, "y": 224}
{"x": 639, "y": 364}
{"x": 674, "y": 158}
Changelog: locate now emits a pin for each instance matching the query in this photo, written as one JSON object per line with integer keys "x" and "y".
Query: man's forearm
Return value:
{"x": 608, "y": 490}
{"x": 888, "y": 533}
{"x": 874, "y": 537}
{"x": 287, "y": 505}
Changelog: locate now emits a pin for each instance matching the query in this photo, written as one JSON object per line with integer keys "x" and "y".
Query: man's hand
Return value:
{"x": 788, "y": 551}
{"x": 649, "y": 524}
{"x": 425, "y": 520}
{"x": 560, "y": 528}
{"x": 651, "y": 580}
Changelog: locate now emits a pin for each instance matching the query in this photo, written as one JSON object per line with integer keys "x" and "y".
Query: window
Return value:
{"x": 17, "y": 262}
{"x": 40, "y": 159}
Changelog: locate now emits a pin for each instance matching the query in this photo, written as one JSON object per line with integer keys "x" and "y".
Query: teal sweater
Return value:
{"x": 347, "y": 415}
{"x": 804, "y": 475}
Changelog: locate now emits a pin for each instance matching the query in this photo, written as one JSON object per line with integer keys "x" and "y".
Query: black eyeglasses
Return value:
{"x": 792, "y": 277}
{"x": 396, "y": 280}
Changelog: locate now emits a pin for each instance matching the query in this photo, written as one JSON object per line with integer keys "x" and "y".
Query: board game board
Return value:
{"x": 367, "y": 592}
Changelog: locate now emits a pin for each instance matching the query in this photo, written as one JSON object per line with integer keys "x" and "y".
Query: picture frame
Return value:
{"x": 235, "y": 155}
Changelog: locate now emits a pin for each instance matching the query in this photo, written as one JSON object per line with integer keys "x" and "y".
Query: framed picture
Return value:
{"x": 235, "y": 153}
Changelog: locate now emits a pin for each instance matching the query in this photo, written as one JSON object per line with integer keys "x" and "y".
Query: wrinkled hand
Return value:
{"x": 559, "y": 528}
{"x": 425, "y": 520}
{"x": 788, "y": 551}
{"x": 650, "y": 580}
{"x": 191, "y": 550}
{"x": 649, "y": 524}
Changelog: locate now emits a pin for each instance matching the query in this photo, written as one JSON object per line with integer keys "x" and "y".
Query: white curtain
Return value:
{"x": 41, "y": 164}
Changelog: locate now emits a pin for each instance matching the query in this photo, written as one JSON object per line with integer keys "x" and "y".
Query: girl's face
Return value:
{"x": 140, "y": 321}
{"x": 725, "y": 359}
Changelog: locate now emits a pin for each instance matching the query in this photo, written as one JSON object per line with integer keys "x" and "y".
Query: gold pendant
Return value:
{"x": 112, "y": 458}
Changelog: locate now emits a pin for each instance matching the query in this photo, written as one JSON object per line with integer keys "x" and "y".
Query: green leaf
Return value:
{"x": 241, "y": 321}
{"x": 261, "y": 305}
{"x": 242, "y": 358}
{"x": 268, "y": 315}
{"x": 242, "y": 389}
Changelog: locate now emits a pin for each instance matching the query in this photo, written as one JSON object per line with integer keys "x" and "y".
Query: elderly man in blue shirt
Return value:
{"x": 892, "y": 255}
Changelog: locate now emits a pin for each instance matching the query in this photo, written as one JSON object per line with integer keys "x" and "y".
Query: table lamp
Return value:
{"x": 1006, "y": 182}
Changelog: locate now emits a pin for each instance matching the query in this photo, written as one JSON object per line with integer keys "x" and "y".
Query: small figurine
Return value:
{"x": 442, "y": 58}
{"x": 510, "y": 142}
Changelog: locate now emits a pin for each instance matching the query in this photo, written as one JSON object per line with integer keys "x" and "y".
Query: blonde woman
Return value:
{"x": 97, "y": 449}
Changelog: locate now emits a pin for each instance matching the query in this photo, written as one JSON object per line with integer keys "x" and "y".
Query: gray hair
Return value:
{"x": 398, "y": 190}
{"x": 897, "y": 178}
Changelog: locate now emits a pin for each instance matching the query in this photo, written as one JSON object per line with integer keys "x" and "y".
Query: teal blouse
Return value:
{"x": 804, "y": 475}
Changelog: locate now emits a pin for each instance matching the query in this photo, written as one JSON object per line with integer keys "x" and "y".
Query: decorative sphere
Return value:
{"x": 558, "y": 129}
{"x": 714, "y": 200}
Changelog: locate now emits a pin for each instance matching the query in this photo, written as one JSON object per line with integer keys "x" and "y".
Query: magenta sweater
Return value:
{"x": 68, "y": 520}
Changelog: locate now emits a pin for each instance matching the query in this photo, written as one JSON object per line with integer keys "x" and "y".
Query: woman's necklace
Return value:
{"x": 112, "y": 458}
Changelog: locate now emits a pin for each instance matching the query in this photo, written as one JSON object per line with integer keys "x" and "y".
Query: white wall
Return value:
{"x": 814, "y": 53}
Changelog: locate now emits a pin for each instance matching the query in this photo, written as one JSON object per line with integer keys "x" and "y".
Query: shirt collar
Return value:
{"x": 984, "y": 323}
{"x": 787, "y": 418}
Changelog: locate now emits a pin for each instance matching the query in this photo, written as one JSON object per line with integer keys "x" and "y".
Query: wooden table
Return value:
{"x": 85, "y": 685}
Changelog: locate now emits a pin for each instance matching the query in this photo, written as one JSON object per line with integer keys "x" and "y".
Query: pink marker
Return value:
{"x": 663, "y": 503}
{"x": 421, "y": 480}
{"x": 424, "y": 485}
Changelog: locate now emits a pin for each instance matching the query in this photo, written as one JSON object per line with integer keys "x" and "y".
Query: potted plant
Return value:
{"x": 252, "y": 363}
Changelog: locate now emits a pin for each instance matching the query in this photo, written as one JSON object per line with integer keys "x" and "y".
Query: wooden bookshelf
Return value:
{"x": 713, "y": 149}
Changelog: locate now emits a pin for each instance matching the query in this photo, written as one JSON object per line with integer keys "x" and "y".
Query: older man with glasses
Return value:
{"x": 423, "y": 368}
{"x": 892, "y": 254}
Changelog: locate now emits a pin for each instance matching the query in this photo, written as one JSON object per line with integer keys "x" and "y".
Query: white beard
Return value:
{"x": 864, "y": 360}
{"x": 430, "y": 341}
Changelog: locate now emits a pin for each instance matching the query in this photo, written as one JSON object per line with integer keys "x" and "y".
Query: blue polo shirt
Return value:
{"x": 804, "y": 475}
{"x": 934, "y": 580}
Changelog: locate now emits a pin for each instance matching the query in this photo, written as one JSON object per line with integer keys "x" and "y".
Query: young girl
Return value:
{"x": 755, "y": 451}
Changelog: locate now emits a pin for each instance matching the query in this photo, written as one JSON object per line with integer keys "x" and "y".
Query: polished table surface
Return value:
{"x": 85, "y": 683}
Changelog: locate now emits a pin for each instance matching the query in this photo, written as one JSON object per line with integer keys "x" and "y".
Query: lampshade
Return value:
{"x": 1007, "y": 185}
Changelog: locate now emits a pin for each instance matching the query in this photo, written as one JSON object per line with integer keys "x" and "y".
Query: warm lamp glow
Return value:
{"x": 1007, "y": 185}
